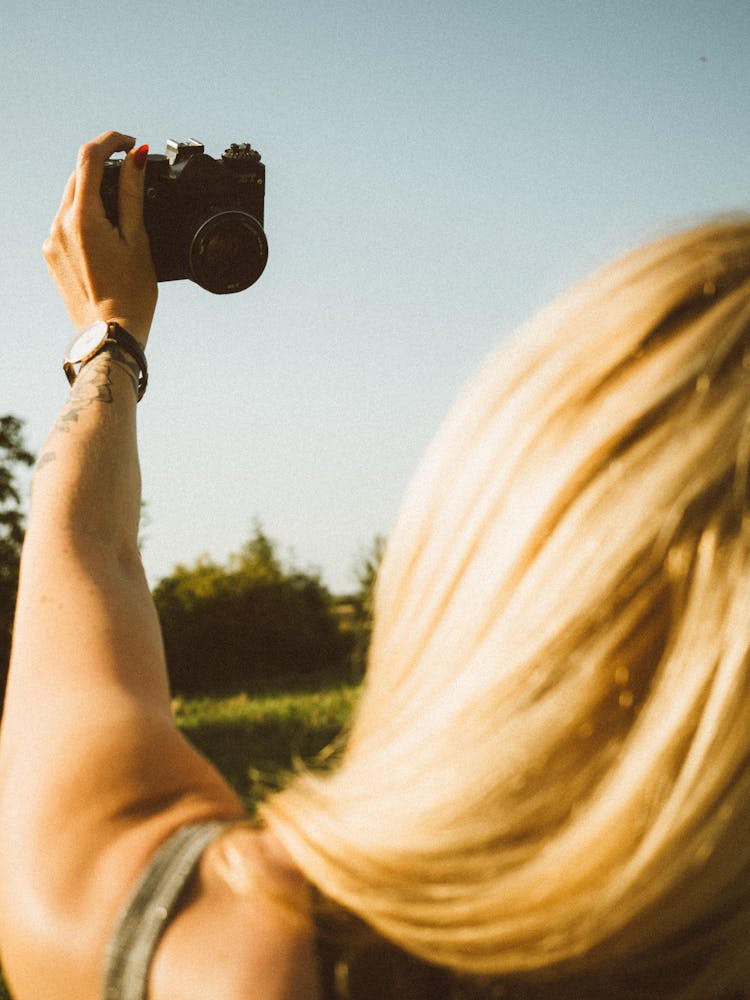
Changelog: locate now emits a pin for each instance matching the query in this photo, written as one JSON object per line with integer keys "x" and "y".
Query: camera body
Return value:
{"x": 203, "y": 216}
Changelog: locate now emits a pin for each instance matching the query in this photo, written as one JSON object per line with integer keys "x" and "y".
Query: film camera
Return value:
{"x": 204, "y": 217}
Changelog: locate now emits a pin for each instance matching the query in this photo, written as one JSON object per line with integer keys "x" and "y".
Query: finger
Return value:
{"x": 68, "y": 195}
{"x": 90, "y": 169}
{"x": 49, "y": 245}
{"x": 130, "y": 193}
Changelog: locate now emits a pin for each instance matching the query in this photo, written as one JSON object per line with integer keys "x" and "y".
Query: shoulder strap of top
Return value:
{"x": 154, "y": 900}
{"x": 368, "y": 969}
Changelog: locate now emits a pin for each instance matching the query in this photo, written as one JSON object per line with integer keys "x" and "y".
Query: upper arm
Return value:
{"x": 73, "y": 854}
{"x": 94, "y": 774}
{"x": 86, "y": 627}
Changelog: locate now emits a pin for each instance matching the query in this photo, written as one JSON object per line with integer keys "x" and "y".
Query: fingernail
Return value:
{"x": 139, "y": 157}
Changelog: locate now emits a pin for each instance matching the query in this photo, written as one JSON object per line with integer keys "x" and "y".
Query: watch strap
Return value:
{"x": 117, "y": 334}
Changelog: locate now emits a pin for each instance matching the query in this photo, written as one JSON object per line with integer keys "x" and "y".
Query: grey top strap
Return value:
{"x": 145, "y": 916}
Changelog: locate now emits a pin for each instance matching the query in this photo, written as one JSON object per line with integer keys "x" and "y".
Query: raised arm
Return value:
{"x": 93, "y": 773}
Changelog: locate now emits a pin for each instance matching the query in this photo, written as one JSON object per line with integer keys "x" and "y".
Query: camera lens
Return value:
{"x": 228, "y": 253}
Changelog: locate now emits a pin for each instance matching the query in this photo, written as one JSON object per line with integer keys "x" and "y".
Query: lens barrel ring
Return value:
{"x": 228, "y": 252}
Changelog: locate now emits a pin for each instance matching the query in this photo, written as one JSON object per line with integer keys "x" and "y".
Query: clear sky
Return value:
{"x": 435, "y": 172}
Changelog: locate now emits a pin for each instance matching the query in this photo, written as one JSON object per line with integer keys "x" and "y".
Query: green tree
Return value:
{"x": 252, "y": 623}
{"x": 366, "y": 574}
{"x": 257, "y": 559}
{"x": 13, "y": 454}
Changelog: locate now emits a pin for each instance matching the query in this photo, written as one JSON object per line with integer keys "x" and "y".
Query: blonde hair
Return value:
{"x": 548, "y": 769}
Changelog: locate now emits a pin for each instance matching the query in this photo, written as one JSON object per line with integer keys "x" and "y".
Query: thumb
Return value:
{"x": 130, "y": 195}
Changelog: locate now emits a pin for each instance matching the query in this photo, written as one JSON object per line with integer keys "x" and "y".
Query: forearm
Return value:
{"x": 85, "y": 619}
{"x": 86, "y": 492}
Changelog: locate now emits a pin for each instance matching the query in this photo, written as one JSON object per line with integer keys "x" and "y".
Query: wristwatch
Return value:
{"x": 87, "y": 344}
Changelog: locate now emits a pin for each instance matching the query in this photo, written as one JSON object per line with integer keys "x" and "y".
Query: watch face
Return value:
{"x": 86, "y": 343}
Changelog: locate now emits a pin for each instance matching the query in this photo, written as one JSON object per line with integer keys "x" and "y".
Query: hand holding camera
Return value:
{"x": 204, "y": 217}
{"x": 104, "y": 272}
{"x": 124, "y": 224}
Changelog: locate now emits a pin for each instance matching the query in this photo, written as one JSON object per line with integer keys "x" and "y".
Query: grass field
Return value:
{"x": 255, "y": 739}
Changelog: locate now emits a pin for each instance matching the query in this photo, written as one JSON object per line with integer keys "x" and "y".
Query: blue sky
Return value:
{"x": 435, "y": 173}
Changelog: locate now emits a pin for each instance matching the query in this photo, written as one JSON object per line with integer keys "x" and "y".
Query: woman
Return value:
{"x": 546, "y": 789}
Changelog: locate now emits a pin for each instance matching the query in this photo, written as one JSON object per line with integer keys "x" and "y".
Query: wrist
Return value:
{"x": 137, "y": 328}
{"x": 112, "y": 337}
{"x": 137, "y": 325}
{"x": 134, "y": 312}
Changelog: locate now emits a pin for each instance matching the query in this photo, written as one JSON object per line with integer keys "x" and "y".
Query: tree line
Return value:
{"x": 252, "y": 622}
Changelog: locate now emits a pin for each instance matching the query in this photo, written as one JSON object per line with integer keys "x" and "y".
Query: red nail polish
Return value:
{"x": 139, "y": 157}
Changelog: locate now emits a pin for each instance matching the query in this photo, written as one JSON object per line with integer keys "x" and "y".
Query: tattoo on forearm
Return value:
{"x": 127, "y": 362}
{"x": 45, "y": 459}
{"x": 94, "y": 384}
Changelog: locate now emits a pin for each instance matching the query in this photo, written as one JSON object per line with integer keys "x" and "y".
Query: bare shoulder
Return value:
{"x": 244, "y": 930}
